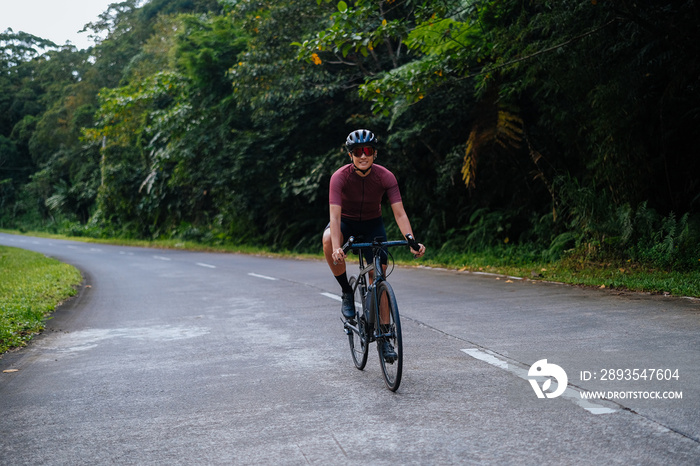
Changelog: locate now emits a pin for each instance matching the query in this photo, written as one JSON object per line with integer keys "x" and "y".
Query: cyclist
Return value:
{"x": 356, "y": 192}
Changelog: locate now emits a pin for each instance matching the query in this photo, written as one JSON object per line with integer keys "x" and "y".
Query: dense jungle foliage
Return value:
{"x": 542, "y": 126}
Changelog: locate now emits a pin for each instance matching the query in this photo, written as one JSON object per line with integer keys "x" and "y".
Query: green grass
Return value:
{"x": 575, "y": 271}
{"x": 627, "y": 276}
{"x": 31, "y": 285}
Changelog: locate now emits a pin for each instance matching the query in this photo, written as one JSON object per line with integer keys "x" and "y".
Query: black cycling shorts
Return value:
{"x": 364, "y": 232}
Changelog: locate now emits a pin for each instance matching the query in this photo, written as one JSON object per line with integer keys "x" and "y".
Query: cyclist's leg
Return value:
{"x": 339, "y": 267}
{"x": 340, "y": 271}
{"x": 384, "y": 311}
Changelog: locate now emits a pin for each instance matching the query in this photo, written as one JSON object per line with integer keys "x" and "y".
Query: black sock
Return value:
{"x": 343, "y": 282}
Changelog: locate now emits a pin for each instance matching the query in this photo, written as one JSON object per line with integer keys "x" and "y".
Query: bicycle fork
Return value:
{"x": 373, "y": 317}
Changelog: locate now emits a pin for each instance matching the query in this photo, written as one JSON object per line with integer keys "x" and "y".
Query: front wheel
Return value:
{"x": 389, "y": 343}
{"x": 358, "y": 337}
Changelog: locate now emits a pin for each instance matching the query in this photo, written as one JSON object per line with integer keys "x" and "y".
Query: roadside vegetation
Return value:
{"x": 31, "y": 286}
{"x": 614, "y": 274}
{"x": 556, "y": 140}
{"x": 506, "y": 260}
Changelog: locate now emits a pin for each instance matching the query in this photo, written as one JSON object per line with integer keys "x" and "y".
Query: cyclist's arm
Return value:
{"x": 405, "y": 224}
{"x": 336, "y": 233}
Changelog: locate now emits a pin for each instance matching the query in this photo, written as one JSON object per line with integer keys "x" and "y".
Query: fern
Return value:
{"x": 505, "y": 130}
{"x": 476, "y": 139}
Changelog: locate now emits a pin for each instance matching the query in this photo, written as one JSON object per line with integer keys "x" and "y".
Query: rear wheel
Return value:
{"x": 390, "y": 329}
{"x": 358, "y": 338}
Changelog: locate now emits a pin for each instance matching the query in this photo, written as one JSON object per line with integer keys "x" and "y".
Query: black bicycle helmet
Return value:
{"x": 361, "y": 138}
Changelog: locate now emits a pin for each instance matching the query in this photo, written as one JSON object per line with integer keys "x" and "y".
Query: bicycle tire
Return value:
{"x": 358, "y": 339}
{"x": 392, "y": 370}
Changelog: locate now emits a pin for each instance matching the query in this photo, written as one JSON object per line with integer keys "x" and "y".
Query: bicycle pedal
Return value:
{"x": 347, "y": 326}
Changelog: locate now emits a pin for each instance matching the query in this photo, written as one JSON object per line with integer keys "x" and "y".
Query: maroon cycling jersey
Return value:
{"x": 360, "y": 198}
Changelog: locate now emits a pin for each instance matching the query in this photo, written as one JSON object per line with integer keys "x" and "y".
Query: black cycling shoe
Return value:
{"x": 348, "y": 306}
{"x": 388, "y": 352}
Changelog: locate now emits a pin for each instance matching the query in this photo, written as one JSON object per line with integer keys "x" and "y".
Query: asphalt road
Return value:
{"x": 175, "y": 357}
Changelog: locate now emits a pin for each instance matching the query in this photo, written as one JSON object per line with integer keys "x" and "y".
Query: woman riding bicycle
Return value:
{"x": 356, "y": 192}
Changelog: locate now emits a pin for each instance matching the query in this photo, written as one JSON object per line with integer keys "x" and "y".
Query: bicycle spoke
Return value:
{"x": 389, "y": 344}
{"x": 357, "y": 338}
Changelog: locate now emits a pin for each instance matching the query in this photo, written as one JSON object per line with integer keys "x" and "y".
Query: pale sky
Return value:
{"x": 56, "y": 20}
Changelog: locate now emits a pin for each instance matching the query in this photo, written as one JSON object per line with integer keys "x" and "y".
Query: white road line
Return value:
{"x": 161, "y": 258}
{"x": 482, "y": 356}
{"x": 332, "y": 296}
{"x": 209, "y": 266}
{"x": 571, "y": 393}
{"x": 262, "y": 276}
{"x": 338, "y": 298}
{"x": 497, "y": 275}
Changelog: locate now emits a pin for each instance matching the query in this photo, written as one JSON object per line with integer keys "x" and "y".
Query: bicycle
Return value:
{"x": 376, "y": 312}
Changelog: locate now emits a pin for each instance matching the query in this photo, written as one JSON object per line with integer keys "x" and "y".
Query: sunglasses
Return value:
{"x": 360, "y": 151}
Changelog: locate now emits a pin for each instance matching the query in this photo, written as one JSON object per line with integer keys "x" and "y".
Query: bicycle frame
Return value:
{"x": 379, "y": 320}
{"x": 375, "y": 271}
{"x": 371, "y": 276}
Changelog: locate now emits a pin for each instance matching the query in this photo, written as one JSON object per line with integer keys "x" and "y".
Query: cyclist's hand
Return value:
{"x": 420, "y": 251}
{"x": 338, "y": 255}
